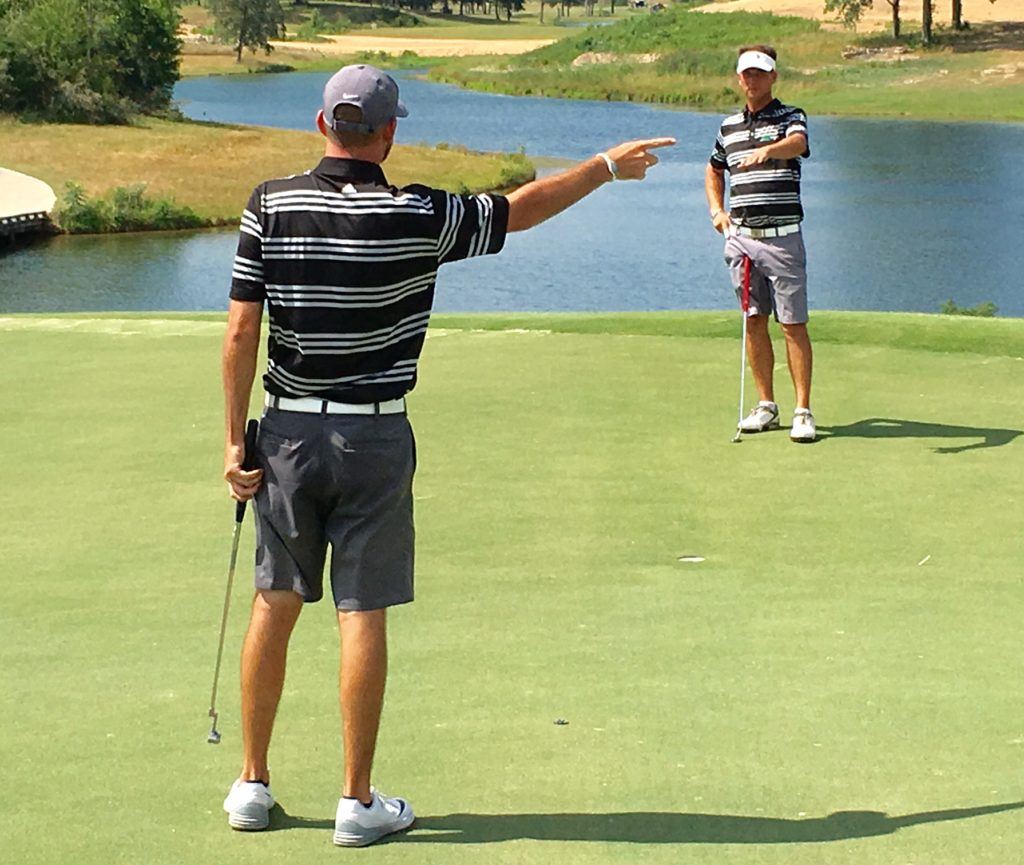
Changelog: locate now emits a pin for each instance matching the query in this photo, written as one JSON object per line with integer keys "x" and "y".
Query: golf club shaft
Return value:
{"x": 248, "y": 464}
{"x": 743, "y": 370}
{"x": 236, "y": 534}
{"x": 744, "y": 307}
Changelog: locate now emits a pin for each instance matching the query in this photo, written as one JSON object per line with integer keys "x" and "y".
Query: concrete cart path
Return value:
{"x": 21, "y": 195}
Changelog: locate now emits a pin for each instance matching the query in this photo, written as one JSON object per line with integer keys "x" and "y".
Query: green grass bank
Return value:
{"x": 686, "y": 58}
{"x": 197, "y": 164}
{"x": 837, "y": 682}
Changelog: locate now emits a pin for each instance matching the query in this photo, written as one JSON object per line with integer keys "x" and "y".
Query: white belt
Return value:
{"x": 311, "y": 405}
{"x": 778, "y": 231}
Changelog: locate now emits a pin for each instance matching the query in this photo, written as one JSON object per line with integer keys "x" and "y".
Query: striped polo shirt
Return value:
{"x": 347, "y": 265}
{"x": 767, "y": 194}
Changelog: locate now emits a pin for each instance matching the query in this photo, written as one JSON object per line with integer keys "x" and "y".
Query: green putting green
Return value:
{"x": 838, "y": 681}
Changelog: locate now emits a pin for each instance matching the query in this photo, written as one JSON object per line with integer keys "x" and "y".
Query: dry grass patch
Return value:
{"x": 211, "y": 167}
{"x": 206, "y": 58}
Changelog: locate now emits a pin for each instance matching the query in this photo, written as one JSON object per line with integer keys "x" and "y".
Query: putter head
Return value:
{"x": 736, "y": 439}
{"x": 214, "y": 737}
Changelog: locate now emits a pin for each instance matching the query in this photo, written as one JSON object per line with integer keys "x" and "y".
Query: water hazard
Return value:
{"x": 900, "y": 215}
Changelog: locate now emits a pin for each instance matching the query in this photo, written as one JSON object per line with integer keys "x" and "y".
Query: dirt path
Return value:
{"x": 880, "y": 16}
{"x": 352, "y": 44}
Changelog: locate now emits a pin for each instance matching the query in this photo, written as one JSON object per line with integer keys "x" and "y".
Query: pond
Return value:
{"x": 901, "y": 215}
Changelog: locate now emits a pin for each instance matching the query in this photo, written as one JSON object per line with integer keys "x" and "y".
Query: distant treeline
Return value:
{"x": 87, "y": 61}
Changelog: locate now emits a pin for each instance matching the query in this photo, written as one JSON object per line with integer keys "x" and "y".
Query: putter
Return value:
{"x": 248, "y": 464}
{"x": 745, "y": 306}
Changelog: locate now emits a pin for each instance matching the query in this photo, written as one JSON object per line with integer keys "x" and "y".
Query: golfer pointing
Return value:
{"x": 761, "y": 148}
{"x": 346, "y": 265}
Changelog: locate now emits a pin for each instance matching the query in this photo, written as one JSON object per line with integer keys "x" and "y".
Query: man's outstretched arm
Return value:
{"x": 790, "y": 147}
{"x": 238, "y": 369}
{"x": 531, "y": 204}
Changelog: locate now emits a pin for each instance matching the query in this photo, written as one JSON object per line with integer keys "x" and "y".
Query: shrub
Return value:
{"x": 125, "y": 208}
{"x": 982, "y": 310}
{"x": 516, "y": 170}
{"x": 6, "y": 82}
{"x": 60, "y": 64}
{"x": 316, "y": 24}
{"x": 76, "y": 102}
{"x": 78, "y": 215}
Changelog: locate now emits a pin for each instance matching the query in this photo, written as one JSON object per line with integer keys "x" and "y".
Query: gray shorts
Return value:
{"x": 778, "y": 274}
{"x": 343, "y": 480}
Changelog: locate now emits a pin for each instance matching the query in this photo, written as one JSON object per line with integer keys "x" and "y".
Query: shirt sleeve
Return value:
{"x": 247, "y": 276}
{"x": 718, "y": 158}
{"x": 473, "y": 225}
{"x": 797, "y": 122}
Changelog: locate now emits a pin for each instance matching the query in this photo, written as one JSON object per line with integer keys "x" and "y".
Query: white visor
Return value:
{"x": 755, "y": 60}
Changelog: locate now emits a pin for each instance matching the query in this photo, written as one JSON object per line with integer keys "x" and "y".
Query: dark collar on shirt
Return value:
{"x": 771, "y": 106}
{"x": 351, "y": 171}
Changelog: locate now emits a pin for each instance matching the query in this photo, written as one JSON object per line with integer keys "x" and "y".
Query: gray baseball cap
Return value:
{"x": 368, "y": 88}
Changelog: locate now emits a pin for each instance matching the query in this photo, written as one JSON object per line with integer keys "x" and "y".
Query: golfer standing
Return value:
{"x": 761, "y": 148}
{"x": 346, "y": 266}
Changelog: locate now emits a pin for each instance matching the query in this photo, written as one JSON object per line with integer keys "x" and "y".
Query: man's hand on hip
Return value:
{"x": 721, "y": 222}
{"x": 242, "y": 485}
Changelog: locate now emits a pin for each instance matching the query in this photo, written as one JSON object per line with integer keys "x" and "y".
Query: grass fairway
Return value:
{"x": 839, "y": 681}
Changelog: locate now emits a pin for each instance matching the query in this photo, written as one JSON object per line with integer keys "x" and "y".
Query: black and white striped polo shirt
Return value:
{"x": 347, "y": 266}
{"x": 767, "y": 194}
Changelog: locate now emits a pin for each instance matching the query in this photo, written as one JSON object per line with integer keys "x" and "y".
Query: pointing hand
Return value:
{"x": 632, "y": 158}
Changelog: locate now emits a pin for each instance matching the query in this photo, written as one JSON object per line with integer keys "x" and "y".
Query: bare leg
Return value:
{"x": 364, "y": 671}
{"x": 264, "y": 652}
{"x": 762, "y": 356}
{"x": 800, "y": 358}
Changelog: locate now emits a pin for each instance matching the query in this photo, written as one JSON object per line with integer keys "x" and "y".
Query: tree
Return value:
{"x": 508, "y": 7}
{"x": 850, "y": 12}
{"x": 957, "y": 16}
{"x": 92, "y": 61}
{"x": 146, "y": 48}
{"x": 895, "y": 6}
{"x": 926, "y": 22}
{"x": 249, "y": 23}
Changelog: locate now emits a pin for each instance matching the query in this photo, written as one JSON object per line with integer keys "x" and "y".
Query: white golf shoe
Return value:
{"x": 248, "y": 805}
{"x": 803, "y": 429}
{"x": 764, "y": 416}
{"x": 356, "y": 825}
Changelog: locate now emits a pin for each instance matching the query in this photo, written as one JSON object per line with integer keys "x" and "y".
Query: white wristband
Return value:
{"x": 613, "y": 169}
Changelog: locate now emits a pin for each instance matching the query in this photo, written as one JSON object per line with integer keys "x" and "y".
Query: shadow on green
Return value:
{"x": 885, "y": 428}
{"x": 646, "y": 827}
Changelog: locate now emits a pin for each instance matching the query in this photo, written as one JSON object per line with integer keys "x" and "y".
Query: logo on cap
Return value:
{"x": 371, "y": 90}
{"x": 755, "y": 60}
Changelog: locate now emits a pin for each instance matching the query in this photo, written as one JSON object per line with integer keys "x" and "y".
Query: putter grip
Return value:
{"x": 248, "y": 462}
{"x": 745, "y": 293}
